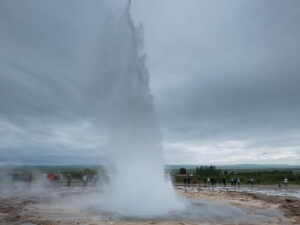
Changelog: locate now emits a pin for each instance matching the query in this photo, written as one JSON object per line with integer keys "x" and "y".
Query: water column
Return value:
{"x": 138, "y": 185}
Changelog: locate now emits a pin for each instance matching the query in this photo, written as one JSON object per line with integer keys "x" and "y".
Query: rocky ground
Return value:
{"x": 59, "y": 207}
{"x": 290, "y": 206}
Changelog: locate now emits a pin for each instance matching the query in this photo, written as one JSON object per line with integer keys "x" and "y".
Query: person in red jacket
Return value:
{"x": 52, "y": 176}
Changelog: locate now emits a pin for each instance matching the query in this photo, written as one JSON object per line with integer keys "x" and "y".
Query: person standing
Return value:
{"x": 0, "y": 182}
{"x": 94, "y": 180}
{"x": 29, "y": 179}
{"x": 84, "y": 180}
{"x": 11, "y": 179}
{"x": 208, "y": 181}
{"x": 251, "y": 181}
{"x": 199, "y": 181}
{"x": 238, "y": 181}
{"x": 52, "y": 178}
{"x": 69, "y": 179}
{"x": 55, "y": 180}
{"x": 188, "y": 180}
{"x": 184, "y": 180}
{"x": 285, "y": 180}
{"x": 224, "y": 181}
{"x": 60, "y": 179}
{"x": 13, "y": 176}
{"x": 44, "y": 179}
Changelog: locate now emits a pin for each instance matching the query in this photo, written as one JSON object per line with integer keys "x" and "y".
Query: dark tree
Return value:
{"x": 182, "y": 171}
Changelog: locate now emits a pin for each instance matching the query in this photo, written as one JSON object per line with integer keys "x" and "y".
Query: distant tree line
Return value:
{"x": 208, "y": 171}
{"x": 265, "y": 176}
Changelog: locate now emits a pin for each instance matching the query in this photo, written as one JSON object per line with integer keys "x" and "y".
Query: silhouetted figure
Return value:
{"x": 52, "y": 179}
{"x": 208, "y": 181}
{"x": 84, "y": 180}
{"x": 69, "y": 180}
{"x": 44, "y": 179}
{"x": 188, "y": 180}
{"x": 13, "y": 177}
{"x": 60, "y": 179}
{"x": 1, "y": 182}
{"x": 29, "y": 179}
{"x": 94, "y": 178}
{"x": 285, "y": 181}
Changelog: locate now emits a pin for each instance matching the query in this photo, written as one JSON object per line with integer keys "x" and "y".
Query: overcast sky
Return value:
{"x": 224, "y": 75}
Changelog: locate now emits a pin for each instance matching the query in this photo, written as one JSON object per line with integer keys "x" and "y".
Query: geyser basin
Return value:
{"x": 194, "y": 210}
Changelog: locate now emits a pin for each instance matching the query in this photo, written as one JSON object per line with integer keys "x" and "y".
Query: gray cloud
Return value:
{"x": 46, "y": 49}
{"x": 226, "y": 71}
{"x": 224, "y": 76}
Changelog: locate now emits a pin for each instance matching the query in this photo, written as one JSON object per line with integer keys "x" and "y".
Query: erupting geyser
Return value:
{"x": 138, "y": 187}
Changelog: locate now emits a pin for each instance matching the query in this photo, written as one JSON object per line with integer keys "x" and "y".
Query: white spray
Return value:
{"x": 138, "y": 186}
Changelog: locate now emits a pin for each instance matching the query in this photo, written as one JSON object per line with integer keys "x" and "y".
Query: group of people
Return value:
{"x": 85, "y": 179}
{"x": 235, "y": 181}
{"x": 250, "y": 181}
{"x": 52, "y": 180}
{"x": 27, "y": 179}
{"x": 285, "y": 181}
{"x": 207, "y": 181}
{"x": 55, "y": 180}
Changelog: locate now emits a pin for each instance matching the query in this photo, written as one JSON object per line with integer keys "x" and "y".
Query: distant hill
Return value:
{"x": 168, "y": 167}
{"x": 258, "y": 166}
{"x": 238, "y": 166}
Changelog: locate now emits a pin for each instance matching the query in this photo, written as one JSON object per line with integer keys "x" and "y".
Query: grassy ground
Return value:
{"x": 268, "y": 186}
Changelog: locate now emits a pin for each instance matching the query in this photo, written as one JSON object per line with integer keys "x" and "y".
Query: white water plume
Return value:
{"x": 138, "y": 186}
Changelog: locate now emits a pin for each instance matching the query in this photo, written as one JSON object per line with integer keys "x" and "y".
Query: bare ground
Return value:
{"x": 48, "y": 210}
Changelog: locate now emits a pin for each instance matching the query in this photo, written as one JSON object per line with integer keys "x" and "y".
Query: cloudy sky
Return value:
{"x": 224, "y": 75}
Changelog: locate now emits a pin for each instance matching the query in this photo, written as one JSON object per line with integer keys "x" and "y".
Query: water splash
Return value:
{"x": 138, "y": 186}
